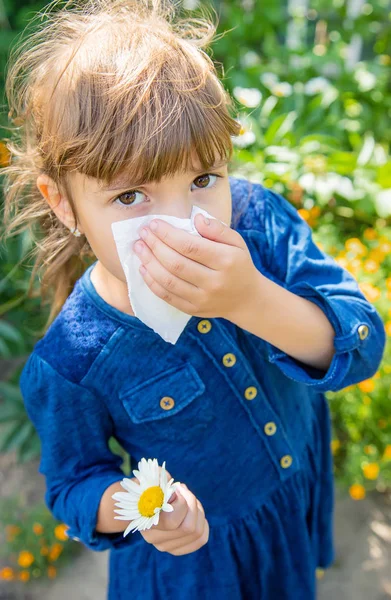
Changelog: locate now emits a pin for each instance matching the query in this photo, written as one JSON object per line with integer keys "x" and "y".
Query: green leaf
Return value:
{"x": 9, "y": 412}
{"x": 11, "y": 392}
{"x": 15, "y": 436}
{"x": 30, "y": 449}
{"x": 10, "y": 332}
{"x": 5, "y": 352}
{"x": 279, "y": 127}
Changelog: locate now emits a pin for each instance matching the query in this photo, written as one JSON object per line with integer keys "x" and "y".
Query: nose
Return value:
{"x": 176, "y": 207}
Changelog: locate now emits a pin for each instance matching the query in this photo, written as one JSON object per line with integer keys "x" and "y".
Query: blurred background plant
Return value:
{"x": 311, "y": 81}
{"x": 32, "y": 544}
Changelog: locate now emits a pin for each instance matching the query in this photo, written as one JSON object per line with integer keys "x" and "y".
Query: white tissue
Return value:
{"x": 164, "y": 319}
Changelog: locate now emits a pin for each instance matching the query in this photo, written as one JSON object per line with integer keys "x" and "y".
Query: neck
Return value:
{"x": 111, "y": 289}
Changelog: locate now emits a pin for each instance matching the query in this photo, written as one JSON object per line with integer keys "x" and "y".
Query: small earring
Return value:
{"x": 75, "y": 231}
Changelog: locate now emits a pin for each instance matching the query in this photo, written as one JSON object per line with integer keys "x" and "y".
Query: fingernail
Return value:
{"x": 138, "y": 248}
{"x": 153, "y": 225}
{"x": 173, "y": 498}
{"x": 144, "y": 233}
{"x": 206, "y": 220}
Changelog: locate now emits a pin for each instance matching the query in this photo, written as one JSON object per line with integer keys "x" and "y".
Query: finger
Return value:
{"x": 218, "y": 231}
{"x": 171, "y": 521}
{"x": 186, "y": 269}
{"x": 196, "y": 545}
{"x": 167, "y": 279}
{"x": 194, "y": 534}
{"x": 192, "y": 246}
{"x": 176, "y": 301}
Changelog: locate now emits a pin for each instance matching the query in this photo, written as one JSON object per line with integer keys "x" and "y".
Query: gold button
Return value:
{"x": 286, "y": 461}
{"x": 363, "y": 332}
{"x": 204, "y": 326}
{"x": 229, "y": 360}
{"x": 270, "y": 428}
{"x": 250, "y": 392}
{"x": 167, "y": 403}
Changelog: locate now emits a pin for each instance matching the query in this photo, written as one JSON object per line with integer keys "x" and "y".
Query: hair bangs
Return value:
{"x": 170, "y": 131}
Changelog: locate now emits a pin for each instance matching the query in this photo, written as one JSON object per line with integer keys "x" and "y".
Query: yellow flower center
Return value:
{"x": 149, "y": 500}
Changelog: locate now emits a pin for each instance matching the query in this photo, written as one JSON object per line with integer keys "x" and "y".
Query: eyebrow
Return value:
{"x": 120, "y": 184}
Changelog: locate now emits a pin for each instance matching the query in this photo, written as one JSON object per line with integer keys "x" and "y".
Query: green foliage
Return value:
{"x": 16, "y": 430}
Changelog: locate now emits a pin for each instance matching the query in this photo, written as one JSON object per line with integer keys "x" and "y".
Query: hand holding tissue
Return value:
{"x": 164, "y": 319}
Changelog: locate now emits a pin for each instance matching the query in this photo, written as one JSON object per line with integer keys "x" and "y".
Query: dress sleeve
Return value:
{"x": 295, "y": 262}
{"x": 74, "y": 427}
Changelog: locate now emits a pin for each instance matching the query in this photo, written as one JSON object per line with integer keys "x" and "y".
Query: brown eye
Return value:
{"x": 127, "y": 198}
{"x": 203, "y": 180}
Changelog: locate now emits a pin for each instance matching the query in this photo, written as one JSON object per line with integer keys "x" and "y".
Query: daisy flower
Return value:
{"x": 142, "y": 503}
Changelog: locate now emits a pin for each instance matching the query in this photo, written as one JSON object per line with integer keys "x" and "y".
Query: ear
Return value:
{"x": 58, "y": 202}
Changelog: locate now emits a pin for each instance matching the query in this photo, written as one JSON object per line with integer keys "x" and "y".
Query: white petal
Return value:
{"x": 126, "y": 496}
{"x": 167, "y": 507}
{"x": 130, "y": 514}
{"x": 125, "y": 504}
{"x": 127, "y": 530}
{"x": 131, "y": 486}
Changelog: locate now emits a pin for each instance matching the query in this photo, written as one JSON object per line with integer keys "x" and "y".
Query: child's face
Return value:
{"x": 175, "y": 195}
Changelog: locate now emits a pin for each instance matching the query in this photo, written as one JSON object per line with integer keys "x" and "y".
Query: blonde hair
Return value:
{"x": 101, "y": 87}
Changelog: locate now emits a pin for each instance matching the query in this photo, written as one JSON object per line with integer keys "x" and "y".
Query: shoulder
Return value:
{"x": 76, "y": 336}
{"x": 255, "y": 207}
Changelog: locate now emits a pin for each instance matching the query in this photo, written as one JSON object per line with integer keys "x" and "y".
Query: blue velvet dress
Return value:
{"x": 247, "y": 427}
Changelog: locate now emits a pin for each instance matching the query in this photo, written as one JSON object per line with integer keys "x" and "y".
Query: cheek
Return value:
{"x": 100, "y": 238}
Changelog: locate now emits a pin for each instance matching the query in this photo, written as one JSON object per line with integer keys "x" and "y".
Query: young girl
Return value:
{"x": 121, "y": 114}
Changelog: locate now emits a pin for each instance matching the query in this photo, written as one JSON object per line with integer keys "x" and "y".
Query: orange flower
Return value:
{"x": 37, "y": 528}
{"x": 12, "y": 531}
{"x": 25, "y": 558}
{"x": 55, "y": 552}
{"x": 371, "y": 470}
{"x": 387, "y": 452}
{"x": 5, "y": 155}
{"x": 304, "y": 213}
{"x": 357, "y": 491}
{"x": 315, "y": 212}
{"x": 7, "y": 573}
{"x": 342, "y": 261}
{"x": 24, "y": 576}
{"x": 387, "y": 327}
{"x": 52, "y": 571}
{"x": 388, "y": 283}
{"x": 44, "y": 550}
{"x": 366, "y": 386}
{"x": 335, "y": 445}
{"x": 295, "y": 193}
{"x": 371, "y": 292}
{"x": 369, "y": 449}
{"x": 354, "y": 266}
{"x": 370, "y": 234}
{"x": 371, "y": 266}
{"x": 60, "y": 532}
{"x": 355, "y": 246}
{"x": 385, "y": 246}
{"x": 376, "y": 255}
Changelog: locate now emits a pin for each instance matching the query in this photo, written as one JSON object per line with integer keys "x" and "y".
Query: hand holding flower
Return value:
{"x": 172, "y": 522}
